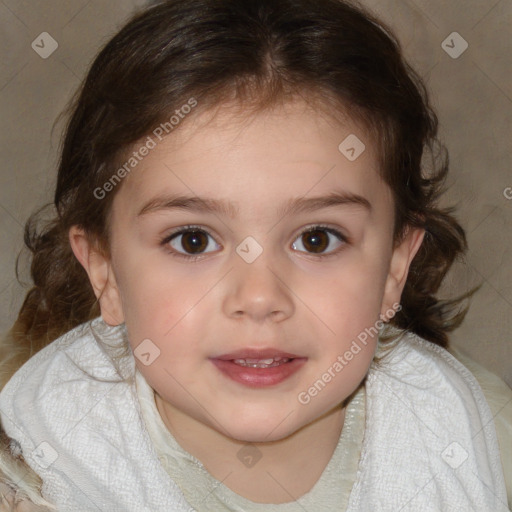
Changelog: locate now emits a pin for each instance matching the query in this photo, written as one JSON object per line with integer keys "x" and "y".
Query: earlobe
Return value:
{"x": 399, "y": 265}
{"x": 101, "y": 276}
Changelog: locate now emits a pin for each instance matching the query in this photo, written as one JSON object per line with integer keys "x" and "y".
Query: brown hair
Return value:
{"x": 255, "y": 52}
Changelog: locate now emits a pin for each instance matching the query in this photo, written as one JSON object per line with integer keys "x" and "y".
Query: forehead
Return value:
{"x": 291, "y": 151}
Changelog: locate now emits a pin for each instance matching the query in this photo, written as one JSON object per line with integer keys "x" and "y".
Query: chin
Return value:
{"x": 262, "y": 430}
{"x": 259, "y": 436}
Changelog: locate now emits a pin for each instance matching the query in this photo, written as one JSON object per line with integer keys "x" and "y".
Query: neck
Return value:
{"x": 274, "y": 478}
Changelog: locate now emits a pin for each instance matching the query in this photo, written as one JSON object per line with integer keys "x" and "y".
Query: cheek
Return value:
{"x": 337, "y": 376}
{"x": 161, "y": 305}
{"x": 349, "y": 300}
{"x": 152, "y": 282}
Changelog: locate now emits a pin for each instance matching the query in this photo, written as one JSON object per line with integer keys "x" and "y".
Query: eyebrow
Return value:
{"x": 230, "y": 209}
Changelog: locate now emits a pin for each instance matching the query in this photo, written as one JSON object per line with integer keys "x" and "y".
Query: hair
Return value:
{"x": 255, "y": 54}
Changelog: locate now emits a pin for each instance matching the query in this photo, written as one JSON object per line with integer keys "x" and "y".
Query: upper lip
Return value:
{"x": 250, "y": 353}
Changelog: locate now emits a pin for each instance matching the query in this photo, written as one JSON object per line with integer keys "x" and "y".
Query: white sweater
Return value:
{"x": 429, "y": 441}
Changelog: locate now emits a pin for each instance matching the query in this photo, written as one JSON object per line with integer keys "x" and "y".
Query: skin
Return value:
{"x": 288, "y": 298}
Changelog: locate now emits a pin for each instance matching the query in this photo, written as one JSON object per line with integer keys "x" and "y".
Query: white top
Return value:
{"x": 429, "y": 442}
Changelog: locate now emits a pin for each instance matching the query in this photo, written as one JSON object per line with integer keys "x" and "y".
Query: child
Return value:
{"x": 235, "y": 305}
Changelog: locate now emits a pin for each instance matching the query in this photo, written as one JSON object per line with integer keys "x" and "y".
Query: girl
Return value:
{"x": 235, "y": 305}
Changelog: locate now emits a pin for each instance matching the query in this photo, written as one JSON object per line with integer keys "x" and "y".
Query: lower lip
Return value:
{"x": 259, "y": 377}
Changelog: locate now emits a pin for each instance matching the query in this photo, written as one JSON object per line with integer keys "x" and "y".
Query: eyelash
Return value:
{"x": 191, "y": 257}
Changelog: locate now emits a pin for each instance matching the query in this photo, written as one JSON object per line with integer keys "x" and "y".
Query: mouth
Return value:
{"x": 262, "y": 363}
{"x": 258, "y": 368}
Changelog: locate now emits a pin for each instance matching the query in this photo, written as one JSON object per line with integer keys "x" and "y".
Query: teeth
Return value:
{"x": 261, "y": 363}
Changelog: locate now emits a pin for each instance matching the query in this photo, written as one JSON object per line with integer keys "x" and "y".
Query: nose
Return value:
{"x": 259, "y": 291}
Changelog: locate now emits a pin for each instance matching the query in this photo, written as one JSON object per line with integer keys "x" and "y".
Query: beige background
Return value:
{"x": 472, "y": 93}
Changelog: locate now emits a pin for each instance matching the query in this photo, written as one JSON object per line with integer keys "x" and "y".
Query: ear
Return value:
{"x": 101, "y": 276}
{"x": 399, "y": 265}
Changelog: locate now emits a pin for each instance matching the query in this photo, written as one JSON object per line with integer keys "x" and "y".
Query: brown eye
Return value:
{"x": 318, "y": 240}
{"x": 192, "y": 241}
{"x": 315, "y": 241}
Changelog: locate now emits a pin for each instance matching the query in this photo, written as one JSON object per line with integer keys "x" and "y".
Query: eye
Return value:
{"x": 318, "y": 239}
{"x": 190, "y": 241}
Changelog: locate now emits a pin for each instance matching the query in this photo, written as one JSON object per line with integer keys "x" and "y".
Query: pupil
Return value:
{"x": 194, "y": 240}
{"x": 317, "y": 239}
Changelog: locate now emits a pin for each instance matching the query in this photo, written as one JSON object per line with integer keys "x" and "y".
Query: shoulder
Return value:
{"x": 431, "y": 382}
{"x": 499, "y": 397}
{"x": 89, "y": 357}
{"x": 74, "y": 411}
{"x": 81, "y": 357}
{"x": 39, "y": 405}
{"x": 428, "y": 421}
{"x": 423, "y": 368}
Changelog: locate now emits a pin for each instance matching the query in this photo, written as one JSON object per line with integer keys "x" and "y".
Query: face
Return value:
{"x": 296, "y": 256}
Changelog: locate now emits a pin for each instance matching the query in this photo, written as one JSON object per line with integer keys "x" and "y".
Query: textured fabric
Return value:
{"x": 83, "y": 434}
{"x": 499, "y": 398}
{"x": 206, "y": 494}
{"x": 429, "y": 442}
